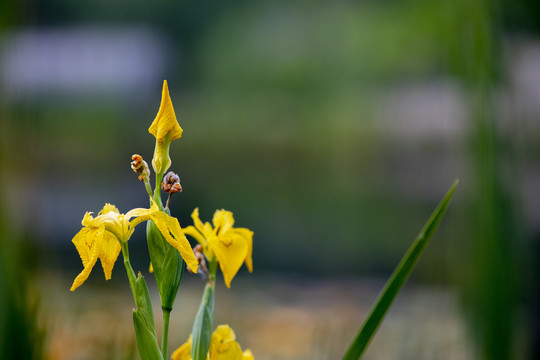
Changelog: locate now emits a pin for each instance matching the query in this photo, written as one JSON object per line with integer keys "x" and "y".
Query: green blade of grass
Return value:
{"x": 397, "y": 279}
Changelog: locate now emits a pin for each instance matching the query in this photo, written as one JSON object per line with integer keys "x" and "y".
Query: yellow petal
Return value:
{"x": 88, "y": 219}
{"x": 223, "y": 345}
{"x": 108, "y": 208}
{"x": 165, "y": 122}
{"x": 115, "y": 223}
{"x": 93, "y": 237}
{"x": 222, "y": 333}
{"x": 223, "y": 220}
{"x": 247, "y": 355}
{"x": 108, "y": 253}
{"x": 191, "y": 231}
{"x": 197, "y": 221}
{"x": 247, "y": 236}
{"x": 231, "y": 251}
{"x": 169, "y": 225}
{"x": 83, "y": 248}
{"x": 183, "y": 352}
{"x": 228, "y": 350}
{"x": 140, "y": 215}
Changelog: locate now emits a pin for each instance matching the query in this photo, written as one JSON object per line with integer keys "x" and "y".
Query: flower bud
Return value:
{"x": 165, "y": 129}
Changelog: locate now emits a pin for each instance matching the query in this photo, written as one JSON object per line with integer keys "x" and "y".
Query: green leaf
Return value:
{"x": 142, "y": 300}
{"x": 397, "y": 279}
{"x": 202, "y": 326}
{"x": 167, "y": 263}
{"x": 146, "y": 337}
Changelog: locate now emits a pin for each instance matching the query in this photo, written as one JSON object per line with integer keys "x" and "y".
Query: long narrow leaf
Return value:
{"x": 397, "y": 279}
{"x": 202, "y": 326}
{"x": 146, "y": 337}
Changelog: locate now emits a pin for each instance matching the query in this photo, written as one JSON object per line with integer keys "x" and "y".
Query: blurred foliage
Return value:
{"x": 280, "y": 105}
{"x": 492, "y": 278}
{"x": 21, "y": 332}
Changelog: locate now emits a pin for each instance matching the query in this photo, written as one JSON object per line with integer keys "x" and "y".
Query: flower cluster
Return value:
{"x": 104, "y": 236}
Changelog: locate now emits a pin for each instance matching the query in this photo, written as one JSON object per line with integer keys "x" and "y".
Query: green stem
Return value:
{"x": 148, "y": 187}
{"x": 166, "y": 317}
{"x": 129, "y": 270}
{"x": 212, "y": 269}
{"x": 157, "y": 191}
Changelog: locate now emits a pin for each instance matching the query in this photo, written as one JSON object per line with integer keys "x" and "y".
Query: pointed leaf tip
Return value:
{"x": 397, "y": 280}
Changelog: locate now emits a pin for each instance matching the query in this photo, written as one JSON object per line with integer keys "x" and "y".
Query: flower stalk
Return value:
{"x": 104, "y": 236}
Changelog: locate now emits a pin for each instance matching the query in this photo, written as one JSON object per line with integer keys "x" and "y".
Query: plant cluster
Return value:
{"x": 220, "y": 244}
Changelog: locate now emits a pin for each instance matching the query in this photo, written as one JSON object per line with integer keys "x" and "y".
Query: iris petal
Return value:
{"x": 169, "y": 225}
{"x": 94, "y": 237}
{"x": 183, "y": 352}
{"x": 230, "y": 256}
{"x": 246, "y": 235}
{"x": 191, "y": 231}
{"x": 108, "y": 253}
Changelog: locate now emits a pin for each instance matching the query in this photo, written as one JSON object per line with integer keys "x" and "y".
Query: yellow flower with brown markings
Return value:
{"x": 165, "y": 129}
{"x": 228, "y": 245}
{"x": 223, "y": 346}
{"x": 101, "y": 237}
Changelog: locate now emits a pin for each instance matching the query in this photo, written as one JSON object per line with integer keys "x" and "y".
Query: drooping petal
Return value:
{"x": 140, "y": 215}
{"x": 231, "y": 252}
{"x": 83, "y": 248}
{"x": 246, "y": 235}
{"x": 165, "y": 122}
{"x": 169, "y": 225}
{"x": 108, "y": 253}
{"x": 183, "y": 352}
{"x": 94, "y": 237}
{"x": 141, "y": 212}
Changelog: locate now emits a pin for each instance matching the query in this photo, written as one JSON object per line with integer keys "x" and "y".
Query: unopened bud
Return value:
{"x": 166, "y": 129}
{"x": 140, "y": 167}
{"x": 171, "y": 183}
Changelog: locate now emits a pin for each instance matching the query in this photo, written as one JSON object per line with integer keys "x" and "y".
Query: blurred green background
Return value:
{"x": 330, "y": 129}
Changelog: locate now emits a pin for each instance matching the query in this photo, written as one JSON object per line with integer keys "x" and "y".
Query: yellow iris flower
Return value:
{"x": 230, "y": 246}
{"x": 165, "y": 129}
{"x": 101, "y": 237}
{"x": 223, "y": 346}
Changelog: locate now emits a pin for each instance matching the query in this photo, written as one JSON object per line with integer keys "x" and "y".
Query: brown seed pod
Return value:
{"x": 171, "y": 183}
